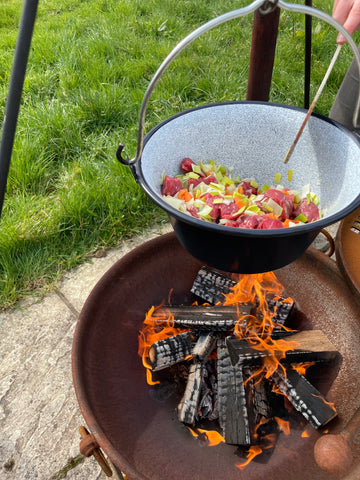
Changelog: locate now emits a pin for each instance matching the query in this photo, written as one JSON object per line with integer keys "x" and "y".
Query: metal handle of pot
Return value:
{"x": 265, "y": 7}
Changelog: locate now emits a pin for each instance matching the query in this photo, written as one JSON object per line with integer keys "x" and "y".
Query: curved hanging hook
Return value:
{"x": 267, "y": 6}
{"x": 168, "y": 60}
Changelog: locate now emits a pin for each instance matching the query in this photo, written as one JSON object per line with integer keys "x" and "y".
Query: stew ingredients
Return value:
{"x": 210, "y": 192}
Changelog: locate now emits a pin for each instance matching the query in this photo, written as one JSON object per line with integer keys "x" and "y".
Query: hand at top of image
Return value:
{"x": 347, "y": 12}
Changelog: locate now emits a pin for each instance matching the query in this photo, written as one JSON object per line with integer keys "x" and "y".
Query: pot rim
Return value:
{"x": 243, "y": 232}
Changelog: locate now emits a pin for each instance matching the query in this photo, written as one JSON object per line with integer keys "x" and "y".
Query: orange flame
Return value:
{"x": 305, "y": 434}
{"x": 302, "y": 367}
{"x": 257, "y": 328}
{"x": 252, "y": 453}
{"x": 212, "y": 437}
{"x": 331, "y": 404}
{"x": 152, "y": 333}
{"x": 267, "y": 441}
{"x": 284, "y": 425}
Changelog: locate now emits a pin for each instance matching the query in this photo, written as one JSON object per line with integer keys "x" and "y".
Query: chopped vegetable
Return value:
{"x": 301, "y": 218}
{"x": 210, "y": 192}
{"x": 277, "y": 178}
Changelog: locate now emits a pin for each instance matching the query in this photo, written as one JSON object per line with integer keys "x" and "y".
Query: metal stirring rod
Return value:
{"x": 312, "y": 106}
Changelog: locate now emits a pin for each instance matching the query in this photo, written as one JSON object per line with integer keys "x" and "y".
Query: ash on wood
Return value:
{"x": 208, "y": 403}
{"x": 172, "y": 350}
{"x": 188, "y": 405}
{"x": 304, "y": 397}
{"x": 211, "y": 285}
{"x": 204, "y": 346}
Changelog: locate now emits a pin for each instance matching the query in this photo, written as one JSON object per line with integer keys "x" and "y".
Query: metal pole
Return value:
{"x": 15, "y": 90}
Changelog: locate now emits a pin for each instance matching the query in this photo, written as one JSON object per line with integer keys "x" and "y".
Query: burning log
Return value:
{"x": 244, "y": 403}
{"x": 220, "y": 318}
{"x": 258, "y": 396}
{"x": 233, "y": 412}
{"x": 263, "y": 405}
{"x": 312, "y": 346}
{"x": 172, "y": 350}
{"x": 304, "y": 397}
{"x": 197, "y": 397}
{"x": 188, "y": 405}
{"x": 212, "y": 286}
{"x": 281, "y": 309}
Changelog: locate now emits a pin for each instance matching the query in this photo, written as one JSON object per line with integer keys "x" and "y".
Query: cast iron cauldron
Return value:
{"x": 252, "y": 137}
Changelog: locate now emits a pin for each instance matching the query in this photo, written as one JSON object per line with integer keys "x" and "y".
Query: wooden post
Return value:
{"x": 264, "y": 35}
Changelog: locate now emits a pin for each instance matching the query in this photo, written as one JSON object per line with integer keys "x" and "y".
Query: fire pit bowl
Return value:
{"x": 137, "y": 427}
{"x": 253, "y": 138}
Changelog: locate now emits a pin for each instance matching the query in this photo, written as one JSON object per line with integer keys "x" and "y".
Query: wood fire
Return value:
{"x": 244, "y": 366}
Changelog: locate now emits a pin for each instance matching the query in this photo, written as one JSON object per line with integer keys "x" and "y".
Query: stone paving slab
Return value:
{"x": 39, "y": 413}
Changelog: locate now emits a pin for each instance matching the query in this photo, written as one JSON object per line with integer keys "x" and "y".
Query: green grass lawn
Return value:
{"x": 89, "y": 66}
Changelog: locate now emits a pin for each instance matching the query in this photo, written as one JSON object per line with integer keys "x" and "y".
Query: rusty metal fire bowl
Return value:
{"x": 139, "y": 430}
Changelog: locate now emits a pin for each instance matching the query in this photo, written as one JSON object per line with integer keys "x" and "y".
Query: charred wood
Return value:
{"x": 233, "y": 413}
{"x": 188, "y": 405}
{"x": 304, "y": 397}
{"x": 219, "y": 318}
{"x": 313, "y": 346}
{"x": 211, "y": 285}
{"x": 281, "y": 308}
{"x": 208, "y": 403}
{"x": 262, "y": 404}
{"x": 258, "y": 396}
{"x": 171, "y": 350}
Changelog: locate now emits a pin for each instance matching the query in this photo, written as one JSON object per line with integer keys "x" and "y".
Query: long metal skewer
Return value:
{"x": 312, "y": 106}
